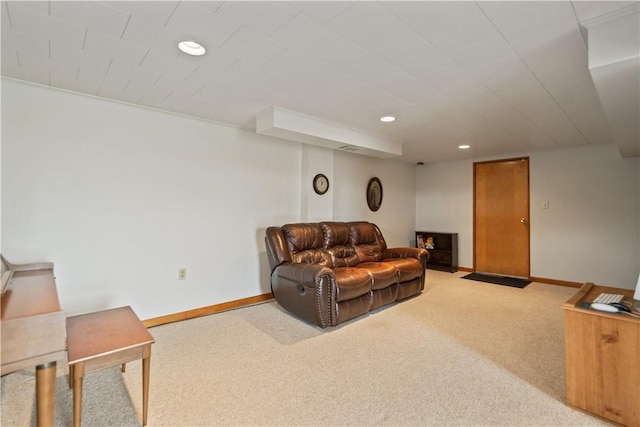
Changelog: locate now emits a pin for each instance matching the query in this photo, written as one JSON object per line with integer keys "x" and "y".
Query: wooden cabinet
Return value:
{"x": 602, "y": 358}
{"x": 442, "y": 247}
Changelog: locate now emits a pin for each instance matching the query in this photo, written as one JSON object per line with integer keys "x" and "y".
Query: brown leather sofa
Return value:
{"x": 329, "y": 272}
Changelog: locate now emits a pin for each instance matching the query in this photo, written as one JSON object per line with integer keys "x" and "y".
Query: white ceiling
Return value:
{"x": 504, "y": 77}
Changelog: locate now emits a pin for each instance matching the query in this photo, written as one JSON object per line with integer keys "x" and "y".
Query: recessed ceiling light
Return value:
{"x": 192, "y": 48}
{"x": 387, "y": 119}
{"x": 464, "y": 147}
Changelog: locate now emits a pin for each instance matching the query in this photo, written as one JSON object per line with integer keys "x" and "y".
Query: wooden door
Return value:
{"x": 501, "y": 217}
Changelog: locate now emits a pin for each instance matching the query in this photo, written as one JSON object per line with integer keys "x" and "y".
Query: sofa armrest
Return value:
{"x": 420, "y": 254}
{"x": 304, "y": 274}
{"x": 306, "y": 290}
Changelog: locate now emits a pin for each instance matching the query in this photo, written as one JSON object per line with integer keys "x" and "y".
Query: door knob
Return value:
{"x": 523, "y": 220}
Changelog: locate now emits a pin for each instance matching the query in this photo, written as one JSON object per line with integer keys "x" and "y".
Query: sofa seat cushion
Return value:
{"x": 382, "y": 274}
{"x": 408, "y": 268}
{"x": 351, "y": 282}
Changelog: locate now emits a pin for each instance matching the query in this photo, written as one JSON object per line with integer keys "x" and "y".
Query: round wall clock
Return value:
{"x": 374, "y": 194}
{"x": 320, "y": 184}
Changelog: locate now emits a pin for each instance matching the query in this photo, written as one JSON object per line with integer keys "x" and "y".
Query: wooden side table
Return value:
{"x": 602, "y": 358}
{"x": 104, "y": 339}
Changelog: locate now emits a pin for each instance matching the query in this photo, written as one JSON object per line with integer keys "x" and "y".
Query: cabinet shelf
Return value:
{"x": 442, "y": 247}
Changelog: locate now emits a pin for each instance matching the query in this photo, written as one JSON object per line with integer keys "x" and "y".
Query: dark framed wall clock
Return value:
{"x": 374, "y": 194}
{"x": 320, "y": 184}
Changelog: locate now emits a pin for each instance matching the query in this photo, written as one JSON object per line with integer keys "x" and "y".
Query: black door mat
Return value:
{"x": 498, "y": 280}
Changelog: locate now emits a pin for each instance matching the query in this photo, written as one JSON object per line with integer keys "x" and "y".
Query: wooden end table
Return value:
{"x": 104, "y": 339}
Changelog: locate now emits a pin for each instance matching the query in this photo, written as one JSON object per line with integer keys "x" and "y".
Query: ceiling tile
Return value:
{"x": 291, "y": 64}
{"x": 368, "y": 21}
{"x": 446, "y": 75}
{"x": 74, "y": 83}
{"x": 520, "y": 21}
{"x": 355, "y": 61}
{"x": 447, "y": 25}
{"x": 155, "y": 100}
{"x": 180, "y": 89}
{"x": 251, "y": 47}
{"x": 253, "y": 101}
{"x": 118, "y": 94}
{"x": 524, "y": 93}
{"x": 586, "y": 10}
{"x": 342, "y": 54}
{"x": 304, "y": 35}
{"x": 244, "y": 70}
{"x": 210, "y": 5}
{"x": 322, "y": 11}
{"x": 502, "y": 76}
{"x": 169, "y": 65}
{"x": 34, "y": 62}
{"x": 556, "y": 55}
{"x": 11, "y": 69}
{"x": 571, "y": 87}
{"x": 438, "y": 109}
{"x": 139, "y": 84}
{"x": 5, "y": 22}
{"x": 82, "y": 58}
{"x": 503, "y": 67}
{"x": 36, "y": 6}
{"x": 398, "y": 84}
{"x": 480, "y": 52}
{"x": 212, "y": 88}
{"x": 424, "y": 99}
{"x": 26, "y": 20}
{"x": 98, "y": 16}
{"x": 260, "y": 16}
{"x": 215, "y": 63}
{"x": 98, "y": 43}
{"x": 462, "y": 87}
{"x": 195, "y": 23}
{"x": 421, "y": 95}
{"x": 9, "y": 62}
{"x": 24, "y": 42}
{"x": 368, "y": 25}
{"x": 315, "y": 82}
{"x": 154, "y": 36}
{"x": 502, "y": 115}
{"x": 154, "y": 13}
{"x": 287, "y": 66}
{"x": 117, "y": 74}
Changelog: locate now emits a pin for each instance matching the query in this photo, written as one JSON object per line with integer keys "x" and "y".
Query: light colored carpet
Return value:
{"x": 463, "y": 353}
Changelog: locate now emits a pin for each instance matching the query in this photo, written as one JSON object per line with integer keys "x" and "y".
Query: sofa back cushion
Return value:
{"x": 367, "y": 241}
{"x": 331, "y": 244}
{"x": 337, "y": 239}
{"x": 336, "y": 234}
{"x": 306, "y": 243}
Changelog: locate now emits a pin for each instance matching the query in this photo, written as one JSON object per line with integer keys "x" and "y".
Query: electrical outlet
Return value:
{"x": 182, "y": 274}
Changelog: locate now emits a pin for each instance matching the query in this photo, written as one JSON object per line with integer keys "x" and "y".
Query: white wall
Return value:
{"x": 121, "y": 197}
{"x": 396, "y": 216}
{"x": 444, "y": 202}
{"x": 315, "y": 207}
{"x": 591, "y": 231}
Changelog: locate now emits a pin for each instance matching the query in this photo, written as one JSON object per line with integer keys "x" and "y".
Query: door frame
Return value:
{"x": 527, "y": 158}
